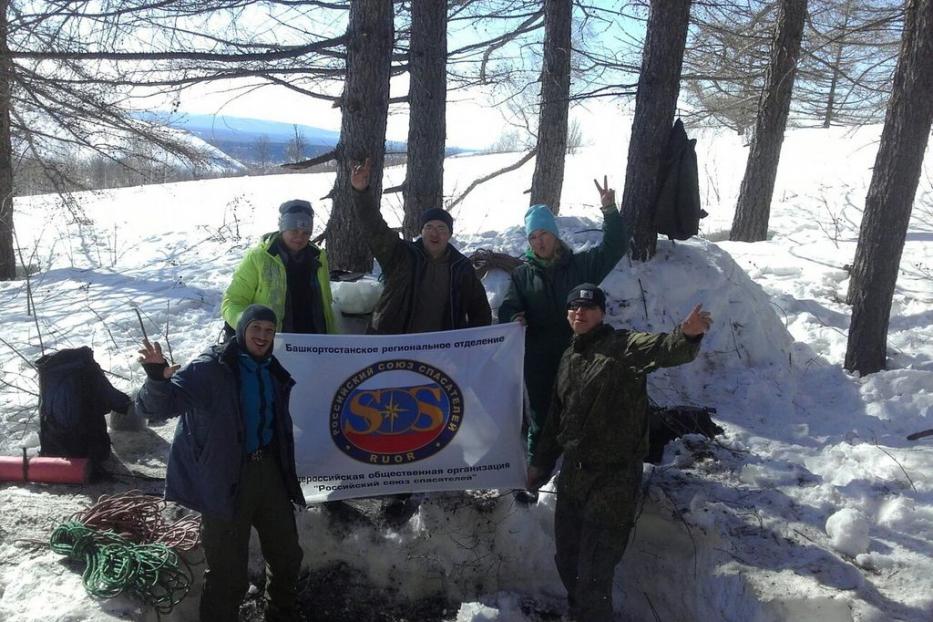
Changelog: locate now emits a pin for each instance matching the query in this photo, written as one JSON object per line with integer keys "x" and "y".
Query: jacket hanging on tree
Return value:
{"x": 677, "y": 211}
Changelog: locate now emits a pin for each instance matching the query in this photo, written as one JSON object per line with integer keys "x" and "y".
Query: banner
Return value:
{"x": 384, "y": 414}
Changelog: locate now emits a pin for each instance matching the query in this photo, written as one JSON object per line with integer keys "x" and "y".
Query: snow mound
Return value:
{"x": 848, "y": 532}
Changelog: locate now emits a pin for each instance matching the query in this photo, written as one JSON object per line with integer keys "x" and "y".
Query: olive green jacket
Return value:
{"x": 260, "y": 279}
{"x": 598, "y": 417}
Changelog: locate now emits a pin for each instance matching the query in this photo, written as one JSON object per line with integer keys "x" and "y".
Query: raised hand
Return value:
{"x": 607, "y": 195}
{"x": 151, "y": 354}
{"x": 359, "y": 174}
{"x": 697, "y": 323}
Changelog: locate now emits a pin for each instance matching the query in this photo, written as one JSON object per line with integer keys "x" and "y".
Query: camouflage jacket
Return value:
{"x": 598, "y": 417}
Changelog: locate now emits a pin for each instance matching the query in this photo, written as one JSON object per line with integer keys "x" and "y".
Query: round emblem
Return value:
{"x": 395, "y": 412}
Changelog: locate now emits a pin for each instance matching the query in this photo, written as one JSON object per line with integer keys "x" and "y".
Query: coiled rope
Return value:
{"x": 139, "y": 560}
{"x": 140, "y": 518}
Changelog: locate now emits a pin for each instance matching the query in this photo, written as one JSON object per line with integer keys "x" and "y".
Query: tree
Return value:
{"x": 296, "y": 146}
{"x": 427, "y": 124}
{"x": 655, "y": 103}
{"x": 847, "y": 60}
{"x": 263, "y": 155}
{"x": 7, "y": 254}
{"x": 72, "y": 70}
{"x": 891, "y": 192}
{"x": 725, "y": 59}
{"x": 365, "y": 107}
{"x": 548, "y": 179}
{"x": 752, "y": 212}
{"x": 575, "y": 138}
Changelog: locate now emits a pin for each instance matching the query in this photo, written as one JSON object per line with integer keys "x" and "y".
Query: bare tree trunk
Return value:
{"x": 7, "y": 255}
{"x": 833, "y": 83}
{"x": 655, "y": 104}
{"x": 548, "y": 179}
{"x": 891, "y": 193}
{"x": 427, "y": 124}
{"x": 754, "y": 205}
{"x": 837, "y": 66}
{"x": 365, "y": 108}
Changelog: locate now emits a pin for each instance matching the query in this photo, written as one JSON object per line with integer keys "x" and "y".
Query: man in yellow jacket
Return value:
{"x": 286, "y": 273}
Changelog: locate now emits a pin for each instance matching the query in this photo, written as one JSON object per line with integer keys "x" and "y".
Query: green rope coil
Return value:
{"x": 152, "y": 573}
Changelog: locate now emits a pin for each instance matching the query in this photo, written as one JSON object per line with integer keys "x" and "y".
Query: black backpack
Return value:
{"x": 665, "y": 423}
{"x": 677, "y": 211}
{"x": 74, "y": 397}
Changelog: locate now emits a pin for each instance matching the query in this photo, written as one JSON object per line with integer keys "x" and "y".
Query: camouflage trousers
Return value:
{"x": 262, "y": 503}
{"x": 594, "y": 516}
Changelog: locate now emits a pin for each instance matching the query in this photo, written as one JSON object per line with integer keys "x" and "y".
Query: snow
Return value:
{"x": 812, "y": 505}
{"x": 848, "y": 532}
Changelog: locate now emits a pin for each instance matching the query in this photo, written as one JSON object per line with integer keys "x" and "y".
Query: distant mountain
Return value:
{"x": 240, "y": 137}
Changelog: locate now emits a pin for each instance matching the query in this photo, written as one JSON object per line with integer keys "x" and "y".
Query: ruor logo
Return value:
{"x": 395, "y": 412}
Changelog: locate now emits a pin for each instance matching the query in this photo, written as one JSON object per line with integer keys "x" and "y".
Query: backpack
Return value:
{"x": 666, "y": 423}
{"x": 74, "y": 397}
{"x": 677, "y": 211}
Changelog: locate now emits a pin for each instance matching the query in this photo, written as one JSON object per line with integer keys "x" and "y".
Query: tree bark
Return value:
{"x": 365, "y": 108}
{"x": 427, "y": 124}
{"x": 655, "y": 104}
{"x": 891, "y": 193}
{"x": 7, "y": 254}
{"x": 753, "y": 209}
{"x": 548, "y": 178}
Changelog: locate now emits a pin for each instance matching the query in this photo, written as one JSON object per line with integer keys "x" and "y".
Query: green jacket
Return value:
{"x": 403, "y": 264}
{"x": 260, "y": 279}
{"x": 598, "y": 417}
{"x": 540, "y": 290}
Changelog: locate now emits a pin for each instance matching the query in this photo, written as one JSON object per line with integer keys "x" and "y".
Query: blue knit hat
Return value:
{"x": 539, "y": 217}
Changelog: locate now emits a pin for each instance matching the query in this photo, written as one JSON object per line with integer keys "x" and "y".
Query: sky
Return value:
{"x": 476, "y": 117}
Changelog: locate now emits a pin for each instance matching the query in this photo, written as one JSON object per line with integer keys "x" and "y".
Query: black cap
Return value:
{"x": 587, "y": 295}
{"x": 436, "y": 213}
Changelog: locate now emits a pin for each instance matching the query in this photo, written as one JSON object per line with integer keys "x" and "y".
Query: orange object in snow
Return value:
{"x": 44, "y": 469}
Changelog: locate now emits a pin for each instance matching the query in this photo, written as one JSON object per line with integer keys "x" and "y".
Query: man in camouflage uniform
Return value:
{"x": 598, "y": 420}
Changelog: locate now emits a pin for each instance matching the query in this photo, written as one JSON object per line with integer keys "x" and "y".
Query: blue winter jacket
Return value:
{"x": 208, "y": 450}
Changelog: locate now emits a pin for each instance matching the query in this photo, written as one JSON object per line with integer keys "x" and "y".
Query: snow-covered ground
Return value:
{"x": 811, "y": 506}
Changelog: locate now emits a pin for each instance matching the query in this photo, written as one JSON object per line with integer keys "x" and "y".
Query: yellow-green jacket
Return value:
{"x": 260, "y": 279}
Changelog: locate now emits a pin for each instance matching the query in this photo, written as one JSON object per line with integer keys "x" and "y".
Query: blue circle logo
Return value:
{"x": 395, "y": 412}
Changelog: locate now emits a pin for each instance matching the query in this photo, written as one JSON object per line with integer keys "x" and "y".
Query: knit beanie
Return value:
{"x": 296, "y": 214}
{"x": 436, "y": 213}
{"x": 539, "y": 217}
{"x": 252, "y": 313}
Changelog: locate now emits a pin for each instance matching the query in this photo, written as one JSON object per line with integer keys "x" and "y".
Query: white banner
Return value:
{"x": 383, "y": 414}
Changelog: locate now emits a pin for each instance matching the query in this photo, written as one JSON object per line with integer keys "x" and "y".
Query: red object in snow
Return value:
{"x": 44, "y": 469}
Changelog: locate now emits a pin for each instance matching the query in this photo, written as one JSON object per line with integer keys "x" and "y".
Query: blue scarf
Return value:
{"x": 256, "y": 401}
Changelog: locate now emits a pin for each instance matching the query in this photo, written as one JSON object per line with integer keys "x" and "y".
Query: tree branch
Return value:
{"x": 493, "y": 175}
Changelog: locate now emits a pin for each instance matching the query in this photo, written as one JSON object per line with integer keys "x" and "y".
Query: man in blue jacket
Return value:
{"x": 233, "y": 460}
